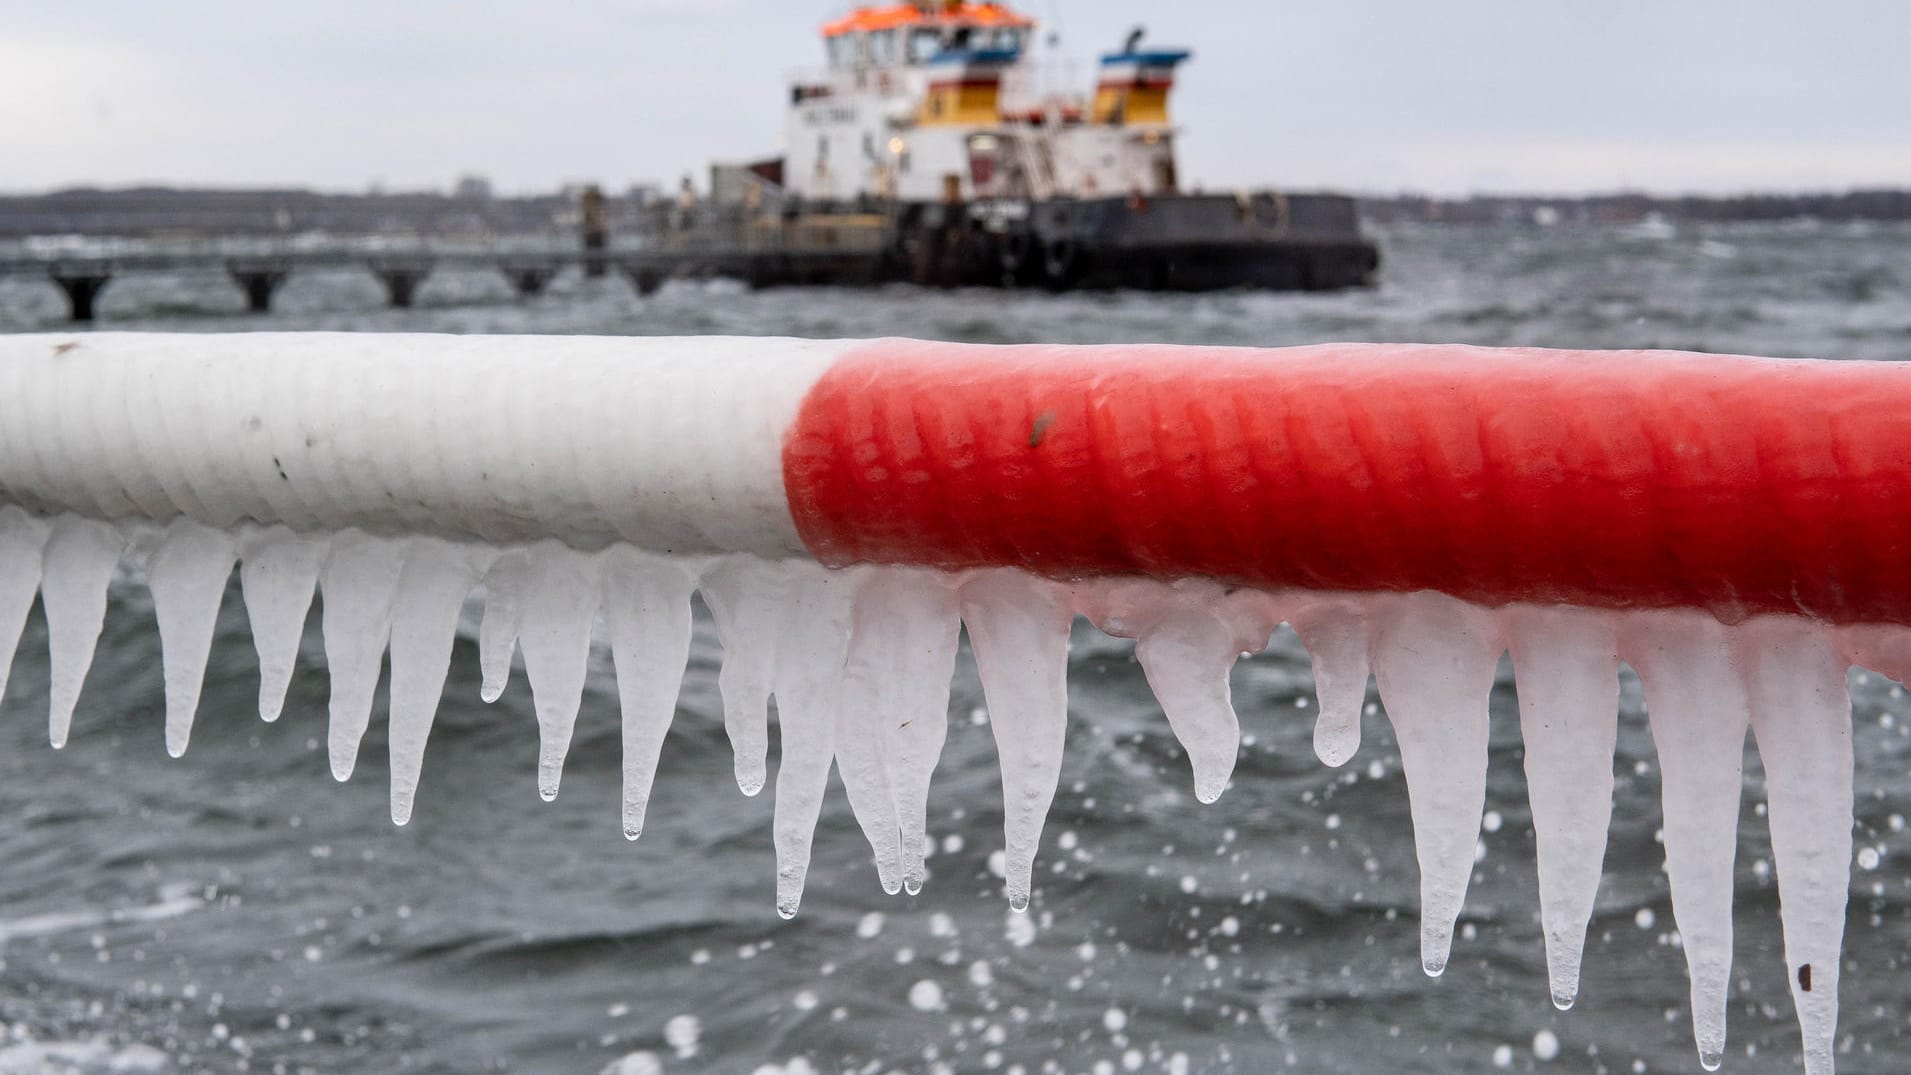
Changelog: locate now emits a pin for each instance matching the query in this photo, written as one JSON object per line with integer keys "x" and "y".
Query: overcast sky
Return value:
{"x": 1443, "y": 96}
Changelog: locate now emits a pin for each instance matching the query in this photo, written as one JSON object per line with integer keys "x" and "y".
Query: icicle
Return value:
{"x": 277, "y": 573}
{"x": 1801, "y": 718}
{"x": 1697, "y": 709}
{"x": 559, "y": 605}
{"x": 1186, "y": 657}
{"x": 862, "y": 720}
{"x": 432, "y": 586}
{"x": 895, "y": 713}
{"x": 745, "y": 596}
{"x": 504, "y": 589}
{"x": 357, "y": 581}
{"x": 647, "y": 609}
{"x": 1885, "y": 650}
{"x": 22, "y": 542}
{"x": 78, "y": 564}
{"x": 808, "y": 686}
{"x": 1336, "y": 636}
{"x": 1567, "y": 666}
{"x": 1018, "y": 627}
{"x": 927, "y": 614}
{"x": 187, "y": 575}
{"x": 1434, "y": 659}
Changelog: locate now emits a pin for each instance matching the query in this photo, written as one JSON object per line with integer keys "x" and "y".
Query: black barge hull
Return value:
{"x": 1300, "y": 242}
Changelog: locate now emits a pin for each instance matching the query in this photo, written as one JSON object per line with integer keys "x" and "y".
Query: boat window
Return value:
{"x": 1007, "y": 39}
{"x": 923, "y": 44}
{"x": 882, "y": 47}
{"x": 842, "y": 51}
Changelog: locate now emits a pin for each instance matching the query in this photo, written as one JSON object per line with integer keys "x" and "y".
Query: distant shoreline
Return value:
{"x": 171, "y": 211}
{"x": 1630, "y": 208}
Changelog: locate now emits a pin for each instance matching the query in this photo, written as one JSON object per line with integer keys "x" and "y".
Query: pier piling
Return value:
{"x": 401, "y": 279}
{"x": 646, "y": 279}
{"x": 82, "y": 285}
{"x": 529, "y": 278}
{"x": 259, "y": 280}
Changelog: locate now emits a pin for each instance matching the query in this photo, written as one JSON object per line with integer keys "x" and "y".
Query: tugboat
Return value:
{"x": 934, "y": 148}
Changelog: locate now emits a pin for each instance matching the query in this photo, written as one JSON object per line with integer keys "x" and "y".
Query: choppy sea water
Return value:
{"x": 237, "y": 910}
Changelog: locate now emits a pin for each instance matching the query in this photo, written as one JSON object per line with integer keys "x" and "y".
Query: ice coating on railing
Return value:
{"x": 858, "y": 663}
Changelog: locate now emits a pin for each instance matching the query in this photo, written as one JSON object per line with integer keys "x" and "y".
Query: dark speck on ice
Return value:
{"x": 1040, "y": 428}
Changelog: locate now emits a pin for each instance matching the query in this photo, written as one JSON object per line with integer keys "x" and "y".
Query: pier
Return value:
{"x": 259, "y": 277}
{"x": 403, "y": 275}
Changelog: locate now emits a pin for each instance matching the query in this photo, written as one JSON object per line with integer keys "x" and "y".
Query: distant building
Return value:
{"x": 475, "y": 188}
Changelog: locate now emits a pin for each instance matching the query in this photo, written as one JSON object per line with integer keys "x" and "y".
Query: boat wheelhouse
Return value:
{"x": 947, "y": 102}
